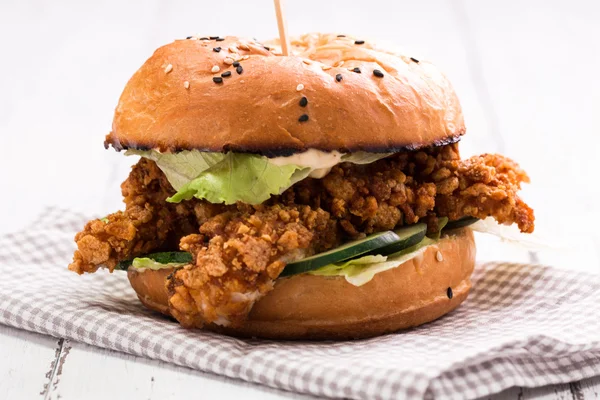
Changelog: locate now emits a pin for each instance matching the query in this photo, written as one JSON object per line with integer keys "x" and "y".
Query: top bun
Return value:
{"x": 173, "y": 103}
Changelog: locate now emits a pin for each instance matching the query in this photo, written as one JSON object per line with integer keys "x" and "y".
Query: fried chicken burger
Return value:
{"x": 315, "y": 196}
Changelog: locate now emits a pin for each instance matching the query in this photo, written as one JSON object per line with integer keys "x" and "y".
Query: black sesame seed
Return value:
{"x": 378, "y": 73}
{"x": 219, "y": 39}
{"x": 359, "y": 42}
{"x": 267, "y": 48}
{"x": 217, "y": 79}
{"x": 216, "y": 49}
{"x": 226, "y": 74}
{"x": 303, "y": 102}
{"x": 339, "y": 77}
{"x": 341, "y": 35}
{"x": 449, "y": 293}
{"x": 236, "y": 64}
{"x": 414, "y": 59}
{"x": 213, "y": 37}
{"x": 203, "y": 38}
{"x": 189, "y": 37}
{"x": 357, "y": 70}
{"x": 239, "y": 69}
{"x": 303, "y": 118}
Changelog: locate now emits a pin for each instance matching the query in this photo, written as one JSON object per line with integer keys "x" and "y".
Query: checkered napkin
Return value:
{"x": 523, "y": 325}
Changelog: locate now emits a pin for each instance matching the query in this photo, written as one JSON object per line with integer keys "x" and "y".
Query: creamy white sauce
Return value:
{"x": 320, "y": 162}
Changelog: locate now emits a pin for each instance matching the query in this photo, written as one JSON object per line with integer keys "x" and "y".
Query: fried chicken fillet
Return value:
{"x": 239, "y": 250}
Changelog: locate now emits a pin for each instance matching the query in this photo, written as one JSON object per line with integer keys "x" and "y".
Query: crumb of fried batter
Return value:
{"x": 148, "y": 223}
{"x": 239, "y": 250}
{"x": 243, "y": 257}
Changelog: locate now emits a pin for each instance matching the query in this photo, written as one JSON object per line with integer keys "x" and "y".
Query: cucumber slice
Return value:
{"x": 460, "y": 223}
{"x": 167, "y": 257}
{"x": 342, "y": 253}
{"x": 407, "y": 236}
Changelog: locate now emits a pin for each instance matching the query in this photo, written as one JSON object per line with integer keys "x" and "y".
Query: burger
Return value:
{"x": 319, "y": 195}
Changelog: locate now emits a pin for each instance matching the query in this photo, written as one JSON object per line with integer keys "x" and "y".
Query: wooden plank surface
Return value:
{"x": 28, "y": 362}
{"x": 523, "y": 70}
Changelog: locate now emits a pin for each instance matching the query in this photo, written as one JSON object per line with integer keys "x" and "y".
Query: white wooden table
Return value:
{"x": 526, "y": 72}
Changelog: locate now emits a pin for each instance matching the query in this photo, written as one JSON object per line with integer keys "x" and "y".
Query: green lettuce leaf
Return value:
{"x": 143, "y": 262}
{"x": 231, "y": 177}
{"x": 242, "y": 177}
{"x": 364, "y": 157}
{"x": 360, "y": 271}
{"x": 181, "y": 167}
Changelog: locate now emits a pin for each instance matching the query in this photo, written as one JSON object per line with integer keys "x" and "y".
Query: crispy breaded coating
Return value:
{"x": 246, "y": 252}
{"x": 484, "y": 186}
{"x": 148, "y": 223}
{"x": 238, "y": 251}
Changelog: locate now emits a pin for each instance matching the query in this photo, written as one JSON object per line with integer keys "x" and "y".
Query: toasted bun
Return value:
{"x": 172, "y": 103}
{"x": 317, "y": 307}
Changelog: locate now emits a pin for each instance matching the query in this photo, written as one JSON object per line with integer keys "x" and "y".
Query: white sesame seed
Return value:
{"x": 215, "y": 69}
{"x": 168, "y": 68}
{"x": 438, "y": 256}
{"x": 232, "y": 49}
{"x": 245, "y": 57}
{"x": 244, "y": 46}
{"x": 228, "y": 60}
{"x": 340, "y": 64}
{"x": 351, "y": 69}
{"x": 306, "y": 62}
{"x": 300, "y": 87}
{"x": 186, "y": 84}
{"x": 325, "y": 67}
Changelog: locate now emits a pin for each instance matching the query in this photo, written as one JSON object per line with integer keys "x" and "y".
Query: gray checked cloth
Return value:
{"x": 522, "y": 325}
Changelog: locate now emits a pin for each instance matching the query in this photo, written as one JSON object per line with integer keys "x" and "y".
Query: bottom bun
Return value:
{"x": 328, "y": 307}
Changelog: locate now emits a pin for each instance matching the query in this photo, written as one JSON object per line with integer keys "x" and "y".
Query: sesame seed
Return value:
{"x": 438, "y": 256}
{"x": 226, "y": 74}
{"x": 325, "y": 67}
{"x": 233, "y": 49}
{"x": 213, "y": 37}
{"x": 378, "y": 73}
{"x": 299, "y": 87}
{"x": 168, "y": 68}
{"x": 359, "y": 42}
{"x": 216, "y": 49}
{"x": 267, "y": 48}
{"x": 245, "y": 57}
{"x": 186, "y": 84}
{"x": 414, "y": 59}
{"x": 244, "y": 46}
{"x": 228, "y": 60}
{"x": 449, "y": 293}
{"x": 303, "y": 118}
{"x": 340, "y": 64}
{"x": 239, "y": 69}
{"x": 189, "y": 37}
{"x": 303, "y": 101}
{"x": 217, "y": 79}
{"x": 306, "y": 62}
{"x": 203, "y": 38}
{"x": 219, "y": 39}
{"x": 215, "y": 69}
{"x": 236, "y": 64}
{"x": 339, "y": 77}
{"x": 341, "y": 35}
{"x": 356, "y": 69}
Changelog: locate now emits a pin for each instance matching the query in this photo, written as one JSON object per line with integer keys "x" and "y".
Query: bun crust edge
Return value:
{"x": 172, "y": 102}
{"x": 316, "y": 307}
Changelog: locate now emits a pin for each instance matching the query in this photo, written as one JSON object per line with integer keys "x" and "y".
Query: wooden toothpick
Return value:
{"x": 283, "y": 37}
